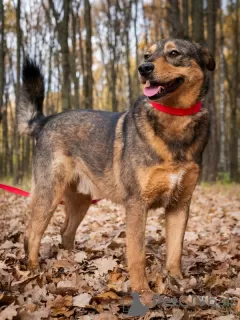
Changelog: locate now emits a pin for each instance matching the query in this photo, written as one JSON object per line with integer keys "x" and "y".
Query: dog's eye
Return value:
{"x": 146, "y": 56}
{"x": 174, "y": 53}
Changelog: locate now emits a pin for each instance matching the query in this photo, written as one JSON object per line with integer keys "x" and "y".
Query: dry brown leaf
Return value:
{"x": 41, "y": 314}
{"x": 6, "y": 298}
{"x": 22, "y": 273}
{"x": 80, "y": 256}
{"x": 106, "y": 316}
{"x": 3, "y": 265}
{"x": 9, "y": 312}
{"x": 104, "y": 265}
{"x": 60, "y": 306}
{"x": 109, "y": 295}
{"x": 9, "y": 245}
{"x": 210, "y": 264}
{"x": 179, "y": 315}
{"x": 31, "y": 307}
{"x": 228, "y": 317}
{"x": 82, "y": 300}
{"x": 62, "y": 264}
{"x": 233, "y": 292}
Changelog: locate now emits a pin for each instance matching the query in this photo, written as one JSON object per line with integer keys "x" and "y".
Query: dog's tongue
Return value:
{"x": 150, "y": 90}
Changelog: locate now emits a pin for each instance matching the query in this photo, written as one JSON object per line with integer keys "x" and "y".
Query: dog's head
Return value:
{"x": 175, "y": 72}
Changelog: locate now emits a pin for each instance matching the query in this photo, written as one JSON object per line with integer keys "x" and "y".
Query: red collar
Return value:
{"x": 178, "y": 111}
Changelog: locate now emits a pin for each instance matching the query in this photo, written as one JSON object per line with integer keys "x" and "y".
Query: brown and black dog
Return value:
{"x": 142, "y": 158}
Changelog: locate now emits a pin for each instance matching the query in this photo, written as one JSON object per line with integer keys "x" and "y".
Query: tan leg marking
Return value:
{"x": 47, "y": 192}
{"x": 136, "y": 224}
{"x": 76, "y": 206}
{"x": 176, "y": 222}
{"x": 43, "y": 207}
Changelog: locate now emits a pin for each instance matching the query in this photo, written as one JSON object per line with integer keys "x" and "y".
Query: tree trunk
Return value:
{"x": 62, "y": 31}
{"x": 136, "y": 48}
{"x": 74, "y": 65}
{"x": 222, "y": 131}
{"x": 2, "y": 53}
{"x": 49, "y": 82}
{"x": 234, "y": 174}
{"x": 112, "y": 42}
{"x": 197, "y": 21}
{"x": 210, "y": 157}
{"x": 63, "y": 39}
{"x": 82, "y": 59}
{"x": 17, "y": 145}
{"x": 88, "y": 92}
{"x": 185, "y": 18}
{"x": 173, "y": 19}
{"x": 127, "y": 14}
{"x": 3, "y": 110}
{"x": 6, "y": 158}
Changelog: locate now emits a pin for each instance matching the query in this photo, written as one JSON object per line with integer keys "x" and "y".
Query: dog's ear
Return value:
{"x": 206, "y": 57}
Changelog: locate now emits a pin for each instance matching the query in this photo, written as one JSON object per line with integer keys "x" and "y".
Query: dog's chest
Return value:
{"x": 175, "y": 179}
{"x": 174, "y": 187}
{"x": 163, "y": 184}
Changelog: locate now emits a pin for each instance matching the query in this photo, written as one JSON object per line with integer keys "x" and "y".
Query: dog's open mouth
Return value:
{"x": 156, "y": 90}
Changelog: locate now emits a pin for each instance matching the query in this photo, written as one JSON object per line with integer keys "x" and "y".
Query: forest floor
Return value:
{"x": 92, "y": 281}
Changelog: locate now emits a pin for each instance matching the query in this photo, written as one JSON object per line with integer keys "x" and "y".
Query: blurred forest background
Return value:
{"x": 89, "y": 52}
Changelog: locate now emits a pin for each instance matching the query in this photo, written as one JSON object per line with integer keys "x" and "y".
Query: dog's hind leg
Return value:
{"x": 76, "y": 206}
{"x": 48, "y": 187}
{"x": 43, "y": 204}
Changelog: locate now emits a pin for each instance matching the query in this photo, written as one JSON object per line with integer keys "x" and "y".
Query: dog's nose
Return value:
{"x": 145, "y": 69}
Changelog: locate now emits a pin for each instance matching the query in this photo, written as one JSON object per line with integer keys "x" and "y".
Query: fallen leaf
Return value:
{"x": 104, "y": 265}
{"x": 106, "y": 316}
{"x": 233, "y": 292}
{"x": 41, "y": 314}
{"x": 228, "y": 317}
{"x": 98, "y": 267}
{"x": 177, "y": 314}
{"x": 62, "y": 264}
{"x": 3, "y": 265}
{"x": 80, "y": 256}
{"x": 9, "y": 312}
{"x": 60, "y": 306}
{"x": 9, "y": 245}
{"x": 109, "y": 295}
{"x": 81, "y": 300}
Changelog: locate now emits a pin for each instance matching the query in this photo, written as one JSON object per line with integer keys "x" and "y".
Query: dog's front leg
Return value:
{"x": 176, "y": 222}
{"x": 136, "y": 223}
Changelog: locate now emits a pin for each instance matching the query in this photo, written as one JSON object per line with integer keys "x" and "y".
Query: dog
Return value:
{"x": 144, "y": 158}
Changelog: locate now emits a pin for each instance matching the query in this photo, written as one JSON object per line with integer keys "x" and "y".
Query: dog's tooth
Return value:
{"x": 161, "y": 89}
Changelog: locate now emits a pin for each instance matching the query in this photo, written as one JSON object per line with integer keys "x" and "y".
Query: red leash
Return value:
{"x": 14, "y": 190}
{"x": 25, "y": 193}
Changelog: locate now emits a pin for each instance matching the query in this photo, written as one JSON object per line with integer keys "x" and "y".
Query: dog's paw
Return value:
{"x": 174, "y": 272}
{"x": 147, "y": 298}
{"x": 33, "y": 268}
{"x": 175, "y": 283}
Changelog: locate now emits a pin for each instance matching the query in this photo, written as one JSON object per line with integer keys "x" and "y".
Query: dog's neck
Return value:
{"x": 174, "y": 129}
{"x": 177, "y": 111}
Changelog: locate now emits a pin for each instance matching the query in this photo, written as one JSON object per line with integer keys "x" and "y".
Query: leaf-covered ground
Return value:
{"x": 92, "y": 281}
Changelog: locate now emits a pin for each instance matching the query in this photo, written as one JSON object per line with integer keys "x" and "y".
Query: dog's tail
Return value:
{"x": 30, "y": 118}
